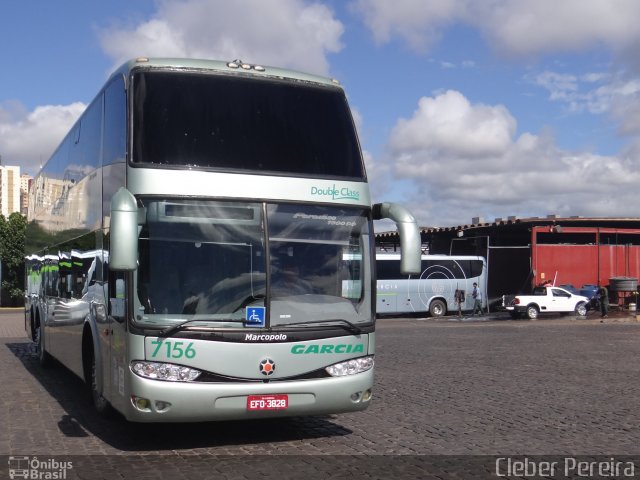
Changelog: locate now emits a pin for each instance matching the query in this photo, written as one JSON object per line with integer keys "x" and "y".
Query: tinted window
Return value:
{"x": 434, "y": 269}
{"x": 50, "y": 271}
{"x": 115, "y": 122}
{"x": 54, "y": 184}
{"x": 235, "y": 123}
{"x": 388, "y": 270}
{"x": 560, "y": 293}
{"x": 79, "y": 266}
{"x": 442, "y": 269}
{"x": 84, "y": 156}
{"x": 476, "y": 268}
{"x": 207, "y": 259}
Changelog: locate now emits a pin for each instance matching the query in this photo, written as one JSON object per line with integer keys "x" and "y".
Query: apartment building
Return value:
{"x": 10, "y": 183}
{"x": 25, "y": 183}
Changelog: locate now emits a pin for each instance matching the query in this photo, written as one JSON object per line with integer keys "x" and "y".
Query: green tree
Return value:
{"x": 12, "y": 238}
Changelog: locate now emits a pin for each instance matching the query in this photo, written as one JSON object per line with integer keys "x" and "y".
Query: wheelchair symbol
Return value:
{"x": 255, "y": 316}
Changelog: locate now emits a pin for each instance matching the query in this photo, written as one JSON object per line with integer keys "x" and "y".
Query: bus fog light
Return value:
{"x": 164, "y": 371}
{"x": 366, "y": 396}
{"x": 355, "y": 397}
{"x": 350, "y": 367}
{"x": 140, "y": 403}
{"x": 162, "y": 406}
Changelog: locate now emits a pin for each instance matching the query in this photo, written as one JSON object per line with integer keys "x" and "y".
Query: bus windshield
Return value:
{"x": 263, "y": 126}
{"x": 209, "y": 261}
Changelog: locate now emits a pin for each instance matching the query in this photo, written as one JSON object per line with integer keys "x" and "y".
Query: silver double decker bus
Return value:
{"x": 200, "y": 246}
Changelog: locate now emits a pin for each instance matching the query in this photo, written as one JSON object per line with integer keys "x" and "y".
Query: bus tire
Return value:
{"x": 44, "y": 359}
{"x": 437, "y": 308}
{"x": 100, "y": 403}
{"x": 532, "y": 312}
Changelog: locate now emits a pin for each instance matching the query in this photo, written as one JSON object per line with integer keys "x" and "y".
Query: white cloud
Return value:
{"x": 417, "y": 22}
{"x": 628, "y": 115}
{"x": 29, "y": 138}
{"x": 513, "y": 26}
{"x": 561, "y": 86}
{"x": 596, "y": 93}
{"x": 378, "y": 172}
{"x": 464, "y": 160}
{"x": 449, "y": 123}
{"x": 526, "y": 28}
{"x": 522, "y": 30}
{"x": 289, "y": 33}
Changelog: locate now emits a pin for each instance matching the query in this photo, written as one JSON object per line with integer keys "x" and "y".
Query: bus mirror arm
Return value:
{"x": 410, "y": 241}
{"x": 123, "y": 250}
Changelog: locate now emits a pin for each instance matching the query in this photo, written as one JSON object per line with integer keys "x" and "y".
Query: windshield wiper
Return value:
{"x": 346, "y": 324}
{"x": 248, "y": 300}
{"x": 178, "y": 326}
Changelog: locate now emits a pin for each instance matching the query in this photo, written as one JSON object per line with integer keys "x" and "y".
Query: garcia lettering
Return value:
{"x": 327, "y": 348}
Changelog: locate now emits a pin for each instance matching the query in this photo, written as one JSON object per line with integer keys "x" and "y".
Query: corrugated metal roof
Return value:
{"x": 512, "y": 220}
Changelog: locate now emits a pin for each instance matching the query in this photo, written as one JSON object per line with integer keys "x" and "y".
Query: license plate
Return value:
{"x": 267, "y": 402}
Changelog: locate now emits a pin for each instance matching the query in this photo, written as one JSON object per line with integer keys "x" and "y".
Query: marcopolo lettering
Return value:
{"x": 253, "y": 337}
{"x": 327, "y": 348}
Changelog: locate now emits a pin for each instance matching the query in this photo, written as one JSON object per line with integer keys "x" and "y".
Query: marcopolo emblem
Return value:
{"x": 267, "y": 367}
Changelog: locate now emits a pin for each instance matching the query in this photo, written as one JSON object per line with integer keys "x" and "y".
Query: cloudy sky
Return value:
{"x": 465, "y": 108}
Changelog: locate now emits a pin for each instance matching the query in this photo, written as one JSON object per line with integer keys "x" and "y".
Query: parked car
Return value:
{"x": 548, "y": 300}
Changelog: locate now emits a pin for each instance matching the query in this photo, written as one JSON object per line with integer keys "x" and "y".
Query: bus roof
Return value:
{"x": 235, "y": 67}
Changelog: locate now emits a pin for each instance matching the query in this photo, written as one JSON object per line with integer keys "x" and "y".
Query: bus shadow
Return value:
{"x": 81, "y": 420}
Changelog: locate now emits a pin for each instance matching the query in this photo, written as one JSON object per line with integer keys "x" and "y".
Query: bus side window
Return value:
{"x": 388, "y": 269}
{"x": 117, "y": 293}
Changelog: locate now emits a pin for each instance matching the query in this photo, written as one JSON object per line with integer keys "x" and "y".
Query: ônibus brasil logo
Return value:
{"x": 342, "y": 193}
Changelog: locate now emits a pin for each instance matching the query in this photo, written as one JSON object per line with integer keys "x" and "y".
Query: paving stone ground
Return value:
{"x": 451, "y": 396}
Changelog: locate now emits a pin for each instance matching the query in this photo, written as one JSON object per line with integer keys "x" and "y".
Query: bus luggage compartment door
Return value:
{"x": 386, "y": 302}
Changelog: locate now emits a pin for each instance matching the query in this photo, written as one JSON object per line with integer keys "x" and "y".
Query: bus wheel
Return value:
{"x": 99, "y": 402}
{"x": 43, "y": 357}
{"x": 437, "y": 308}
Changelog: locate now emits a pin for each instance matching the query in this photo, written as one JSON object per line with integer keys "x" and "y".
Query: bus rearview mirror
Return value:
{"x": 410, "y": 241}
{"x": 123, "y": 250}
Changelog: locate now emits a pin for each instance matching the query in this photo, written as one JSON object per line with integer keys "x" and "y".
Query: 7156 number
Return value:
{"x": 174, "y": 349}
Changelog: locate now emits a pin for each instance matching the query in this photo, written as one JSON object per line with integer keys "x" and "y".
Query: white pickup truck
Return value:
{"x": 546, "y": 300}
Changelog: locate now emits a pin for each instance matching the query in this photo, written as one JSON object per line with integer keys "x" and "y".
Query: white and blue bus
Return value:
{"x": 433, "y": 291}
{"x": 200, "y": 246}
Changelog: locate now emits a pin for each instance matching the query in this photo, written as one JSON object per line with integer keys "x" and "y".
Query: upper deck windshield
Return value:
{"x": 230, "y": 122}
{"x": 211, "y": 260}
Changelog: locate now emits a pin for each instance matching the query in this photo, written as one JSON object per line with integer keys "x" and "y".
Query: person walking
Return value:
{"x": 604, "y": 302}
{"x": 477, "y": 300}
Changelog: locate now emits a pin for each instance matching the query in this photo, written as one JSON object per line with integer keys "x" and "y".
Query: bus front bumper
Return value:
{"x": 162, "y": 401}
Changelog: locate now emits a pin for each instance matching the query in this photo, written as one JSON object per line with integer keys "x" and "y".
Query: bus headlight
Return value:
{"x": 350, "y": 367}
{"x": 164, "y": 371}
